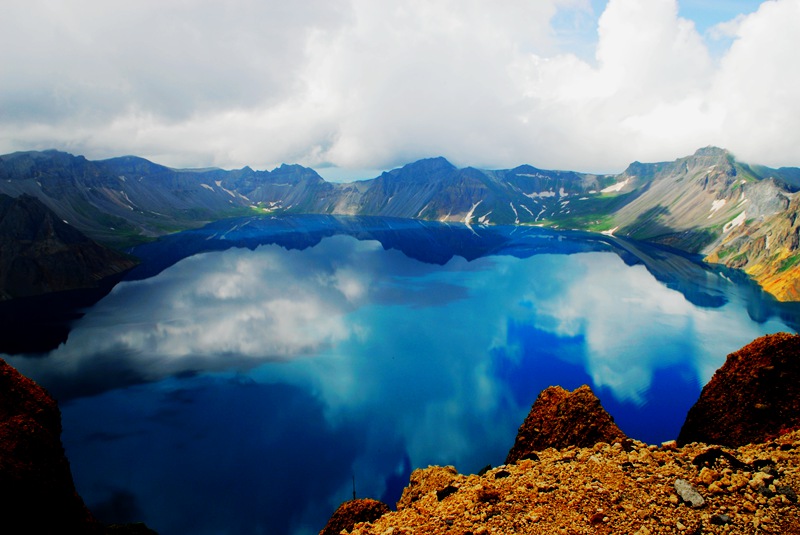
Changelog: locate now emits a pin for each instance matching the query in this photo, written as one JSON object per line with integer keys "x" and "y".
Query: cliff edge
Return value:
{"x": 37, "y": 494}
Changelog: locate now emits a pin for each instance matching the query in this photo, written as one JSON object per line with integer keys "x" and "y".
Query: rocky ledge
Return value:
{"x": 754, "y": 396}
{"x": 572, "y": 471}
{"x": 37, "y": 493}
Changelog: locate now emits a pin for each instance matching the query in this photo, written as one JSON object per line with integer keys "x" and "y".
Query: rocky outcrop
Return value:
{"x": 560, "y": 419}
{"x": 40, "y": 253}
{"x": 767, "y": 248}
{"x": 753, "y": 397}
{"x": 351, "y": 513}
{"x": 37, "y": 494}
{"x": 609, "y": 489}
{"x": 437, "y": 479}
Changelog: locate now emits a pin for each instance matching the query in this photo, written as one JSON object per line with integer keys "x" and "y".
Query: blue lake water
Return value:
{"x": 246, "y": 372}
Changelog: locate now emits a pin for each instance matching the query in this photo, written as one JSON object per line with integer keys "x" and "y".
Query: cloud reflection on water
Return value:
{"x": 386, "y": 362}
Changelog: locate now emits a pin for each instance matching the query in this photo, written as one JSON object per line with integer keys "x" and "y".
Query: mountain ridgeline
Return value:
{"x": 744, "y": 216}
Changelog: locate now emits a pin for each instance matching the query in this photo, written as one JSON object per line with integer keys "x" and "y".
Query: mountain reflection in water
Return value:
{"x": 255, "y": 365}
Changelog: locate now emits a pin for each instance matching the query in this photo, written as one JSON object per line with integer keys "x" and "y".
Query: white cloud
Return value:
{"x": 358, "y": 83}
{"x": 756, "y": 85}
{"x": 624, "y": 346}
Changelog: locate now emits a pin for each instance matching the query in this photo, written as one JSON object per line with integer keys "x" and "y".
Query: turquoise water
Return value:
{"x": 247, "y": 372}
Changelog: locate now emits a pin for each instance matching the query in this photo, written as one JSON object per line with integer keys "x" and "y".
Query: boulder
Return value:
{"x": 753, "y": 397}
{"x": 559, "y": 419}
{"x": 37, "y": 493}
{"x": 351, "y": 513}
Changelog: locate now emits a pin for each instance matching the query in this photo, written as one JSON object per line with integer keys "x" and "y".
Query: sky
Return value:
{"x": 352, "y": 87}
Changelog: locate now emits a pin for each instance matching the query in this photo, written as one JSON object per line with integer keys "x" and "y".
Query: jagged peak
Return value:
{"x": 295, "y": 172}
{"x": 435, "y": 163}
{"x": 290, "y": 166}
{"x": 712, "y": 151}
{"x": 132, "y": 164}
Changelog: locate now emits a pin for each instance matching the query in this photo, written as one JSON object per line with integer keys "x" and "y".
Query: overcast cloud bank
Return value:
{"x": 360, "y": 84}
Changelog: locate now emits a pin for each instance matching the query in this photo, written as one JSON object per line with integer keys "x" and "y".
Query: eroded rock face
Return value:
{"x": 37, "y": 494}
{"x": 559, "y": 419}
{"x": 423, "y": 482}
{"x": 351, "y": 513}
{"x": 752, "y": 398}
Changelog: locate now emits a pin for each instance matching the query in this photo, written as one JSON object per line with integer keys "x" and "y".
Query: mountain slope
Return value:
{"x": 709, "y": 203}
{"x": 767, "y": 250}
{"x": 117, "y": 200}
{"x": 122, "y": 200}
{"x": 39, "y": 253}
{"x": 689, "y": 202}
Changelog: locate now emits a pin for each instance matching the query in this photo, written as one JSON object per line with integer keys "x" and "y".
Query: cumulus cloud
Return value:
{"x": 627, "y": 345}
{"x": 360, "y": 84}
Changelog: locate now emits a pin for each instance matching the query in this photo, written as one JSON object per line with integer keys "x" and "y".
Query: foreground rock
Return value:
{"x": 753, "y": 397}
{"x": 353, "y": 512}
{"x": 559, "y": 419}
{"x": 37, "y": 494}
{"x": 605, "y": 489}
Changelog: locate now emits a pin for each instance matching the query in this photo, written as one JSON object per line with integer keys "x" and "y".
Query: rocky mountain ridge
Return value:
{"x": 741, "y": 215}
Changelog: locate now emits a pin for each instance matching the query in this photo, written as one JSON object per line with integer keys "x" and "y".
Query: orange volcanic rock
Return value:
{"x": 753, "y": 397}
{"x": 608, "y": 489}
{"x": 37, "y": 494}
{"x": 559, "y": 419}
{"x": 353, "y": 512}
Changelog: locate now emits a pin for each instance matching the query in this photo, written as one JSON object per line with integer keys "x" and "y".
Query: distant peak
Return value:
{"x": 711, "y": 151}
{"x": 42, "y": 154}
{"x": 711, "y": 156}
{"x": 437, "y": 163}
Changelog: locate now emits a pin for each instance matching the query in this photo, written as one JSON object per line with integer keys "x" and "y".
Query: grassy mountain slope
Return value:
{"x": 709, "y": 203}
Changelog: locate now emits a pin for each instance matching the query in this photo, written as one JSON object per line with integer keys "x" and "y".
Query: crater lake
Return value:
{"x": 247, "y": 376}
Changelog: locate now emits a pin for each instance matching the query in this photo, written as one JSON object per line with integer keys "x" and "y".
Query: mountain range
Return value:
{"x": 709, "y": 203}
